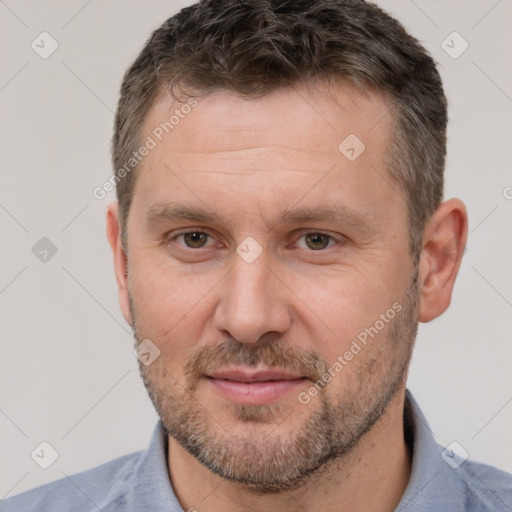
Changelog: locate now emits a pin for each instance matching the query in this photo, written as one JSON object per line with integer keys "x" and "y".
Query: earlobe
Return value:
{"x": 444, "y": 243}
{"x": 120, "y": 259}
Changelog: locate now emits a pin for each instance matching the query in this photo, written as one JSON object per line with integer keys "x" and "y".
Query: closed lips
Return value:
{"x": 259, "y": 376}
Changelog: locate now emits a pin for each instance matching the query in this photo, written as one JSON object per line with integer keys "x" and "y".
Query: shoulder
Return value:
{"x": 90, "y": 490}
{"x": 443, "y": 479}
{"x": 486, "y": 488}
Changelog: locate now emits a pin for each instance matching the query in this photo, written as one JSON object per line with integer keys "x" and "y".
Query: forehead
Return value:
{"x": 304, "y": 119}
{"x": 245, "y": 155}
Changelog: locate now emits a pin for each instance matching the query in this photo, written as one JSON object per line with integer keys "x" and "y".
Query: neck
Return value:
{"x": 373, "y": 476}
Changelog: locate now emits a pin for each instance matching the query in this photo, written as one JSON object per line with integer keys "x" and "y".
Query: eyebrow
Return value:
{"x": 338, "y": 213}
{"x": 166, "y": 212}
{"x": 161, "y": 213}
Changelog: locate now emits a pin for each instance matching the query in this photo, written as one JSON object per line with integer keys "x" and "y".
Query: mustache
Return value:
{"x": 271, "y": 355}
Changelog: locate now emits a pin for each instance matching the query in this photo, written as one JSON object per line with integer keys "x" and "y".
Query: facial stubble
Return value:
{"x": 326, "y": 430}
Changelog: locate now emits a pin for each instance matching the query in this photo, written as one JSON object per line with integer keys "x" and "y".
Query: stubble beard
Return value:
{"x": 262, "y": 460}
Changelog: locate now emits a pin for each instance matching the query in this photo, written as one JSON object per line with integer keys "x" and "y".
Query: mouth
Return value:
{"x": 254, "y": 387}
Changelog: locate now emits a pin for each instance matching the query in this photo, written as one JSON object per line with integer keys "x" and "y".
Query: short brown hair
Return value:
{"x": 252, "y": 47}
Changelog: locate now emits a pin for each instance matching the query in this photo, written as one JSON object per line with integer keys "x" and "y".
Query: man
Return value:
{"x": 279, "y": 233}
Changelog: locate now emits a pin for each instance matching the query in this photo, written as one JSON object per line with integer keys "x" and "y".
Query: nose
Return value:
{"x": 253, "y": 302}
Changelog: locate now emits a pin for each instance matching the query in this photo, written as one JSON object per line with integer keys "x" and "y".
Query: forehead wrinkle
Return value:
{"x": 266, "y": 149}
{"x": 247, "y": 171}
{"x": 259, "y": 158}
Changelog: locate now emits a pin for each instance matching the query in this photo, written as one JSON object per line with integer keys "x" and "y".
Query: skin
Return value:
{"x": 296, "y": 306}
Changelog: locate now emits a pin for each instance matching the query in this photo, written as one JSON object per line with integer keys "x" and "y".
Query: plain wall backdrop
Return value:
{"x": 68, "y": 374}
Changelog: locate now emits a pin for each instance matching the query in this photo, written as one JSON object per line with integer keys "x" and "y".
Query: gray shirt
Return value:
{"x": 440, "y": 480}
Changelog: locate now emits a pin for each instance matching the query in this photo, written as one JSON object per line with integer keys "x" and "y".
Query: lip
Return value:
{"x": 254, "y": 387}
{"x": 243, "y": 375}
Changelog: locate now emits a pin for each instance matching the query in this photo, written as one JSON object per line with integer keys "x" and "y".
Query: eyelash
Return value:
{"x": 173, "y": 238}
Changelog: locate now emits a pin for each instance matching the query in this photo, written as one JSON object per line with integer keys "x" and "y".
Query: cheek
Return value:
{"x": 165, "y": 292}
{"x": 341, "y": 307}
{"x": 173, "y": 308}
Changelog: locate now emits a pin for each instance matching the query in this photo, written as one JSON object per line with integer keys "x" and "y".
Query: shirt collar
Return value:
{"x": 152, "y": 489}
{"x": 433, "y": 484}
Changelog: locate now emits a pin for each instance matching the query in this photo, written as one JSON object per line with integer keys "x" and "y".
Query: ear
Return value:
{"x": 444, "y": 243}
{"x": 120, "y": 259}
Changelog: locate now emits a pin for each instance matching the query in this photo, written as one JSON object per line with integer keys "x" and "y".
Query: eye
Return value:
{"x": 317, "y": 241}
{"x": 193, "y": 239}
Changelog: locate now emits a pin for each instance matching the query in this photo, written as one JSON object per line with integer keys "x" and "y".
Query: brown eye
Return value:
{"x": 317, "y": 241}
{"x": 194, "y": 239}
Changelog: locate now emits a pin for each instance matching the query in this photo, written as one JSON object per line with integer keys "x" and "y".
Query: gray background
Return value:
{"x": 68, "y": 373}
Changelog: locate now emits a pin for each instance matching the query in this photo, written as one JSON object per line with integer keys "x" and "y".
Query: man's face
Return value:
{"x": 267, "y": 278}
